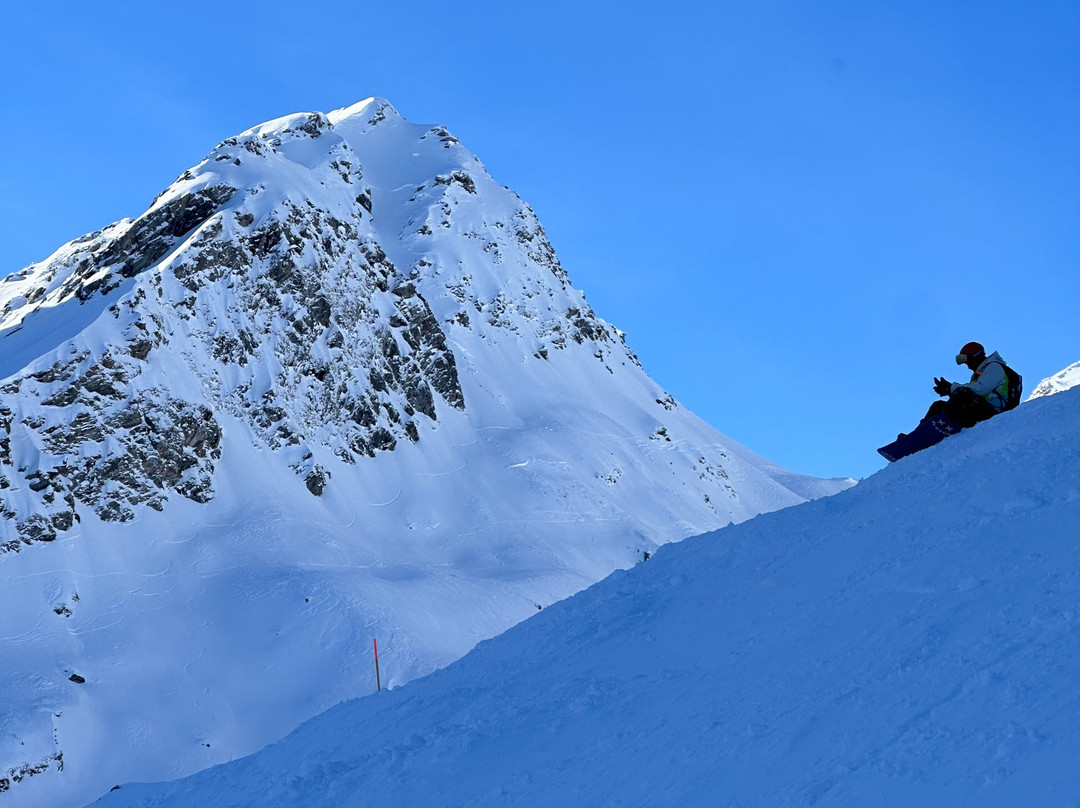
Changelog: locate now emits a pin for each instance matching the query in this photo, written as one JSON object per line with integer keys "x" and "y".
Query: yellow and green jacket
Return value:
{"x": 989, "y": 381}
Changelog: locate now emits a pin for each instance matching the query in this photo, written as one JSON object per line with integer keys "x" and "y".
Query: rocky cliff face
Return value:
{"x": 282, "y": 309}
{"x": 333, "y": 384}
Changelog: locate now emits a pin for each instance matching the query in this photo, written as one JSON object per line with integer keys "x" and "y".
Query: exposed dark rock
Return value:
{"x": 60, "y": 371}
{"x": 431, "y": 354}
{"x": 316, "y": 481}
{"x": 444, "y": 136}
{"x": 213, "y": 260}
{"x": 27, "y": 770}
{"x": 382, "y": 440}
{"x": 36, "y": 528}
{"x": 262, "y": 242}
{"x": 319, "y": 311}
{"x": 530, "y": 233}
{"x": 64, "y": 520}
{"x": 364, "y": 415}
{"x": 99, "y": 382}
{"x": 457, "y": 178}
{"x": 586, "y": 326}
{"x": 230, "y": 350}
{"x": 38, "y": 481}
{"x": 140, "y": 348}
{"x": 154, "y": 446}
{"x": 64, "y": 398}
{"x": 314, "y": 124}
{"x": 86, "y": 291}
{"x": 378, "y": 261}
{"x": 155, "y": 233}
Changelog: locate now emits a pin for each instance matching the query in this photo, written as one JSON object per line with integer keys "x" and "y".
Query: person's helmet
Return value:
{"x": 972, "y": 350}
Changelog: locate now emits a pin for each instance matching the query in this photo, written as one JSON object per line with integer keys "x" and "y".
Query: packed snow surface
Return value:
{"x": 912, "y": 641}
{"x": 332, "y": 386}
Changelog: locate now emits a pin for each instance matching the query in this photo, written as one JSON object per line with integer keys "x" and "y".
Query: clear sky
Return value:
{"x": 798, "y": 212}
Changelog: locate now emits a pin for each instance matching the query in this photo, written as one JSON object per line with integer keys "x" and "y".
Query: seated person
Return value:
{"x": 983, "y": 397}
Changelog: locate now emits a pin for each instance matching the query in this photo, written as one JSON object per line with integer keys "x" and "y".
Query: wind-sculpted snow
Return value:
{"x": 333, "y": 384}
{"x": 912, "y": 641}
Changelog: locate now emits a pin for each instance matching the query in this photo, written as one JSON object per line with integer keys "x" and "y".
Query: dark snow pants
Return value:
{"x": 964, "y": 408}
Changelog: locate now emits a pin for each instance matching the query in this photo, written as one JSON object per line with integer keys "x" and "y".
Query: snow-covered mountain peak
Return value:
{"x": 333, "y": 383}
{"x": 370, "y": 111}
{"x": 288, "y": 127}
{"x": 1059, "y": 382}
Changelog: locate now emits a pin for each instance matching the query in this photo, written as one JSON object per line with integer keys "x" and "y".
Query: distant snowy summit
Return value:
{"x": 333, "y": 385}
{"x": 320, "y": 278}
{"x": 1059, "y": 382}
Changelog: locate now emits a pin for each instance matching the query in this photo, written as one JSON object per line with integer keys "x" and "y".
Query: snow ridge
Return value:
{"x": 909, "y": 642}
{"x": 1058, "y": 383}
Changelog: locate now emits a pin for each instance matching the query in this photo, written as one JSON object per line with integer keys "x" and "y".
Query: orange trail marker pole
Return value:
{"x": 378, "y": 684}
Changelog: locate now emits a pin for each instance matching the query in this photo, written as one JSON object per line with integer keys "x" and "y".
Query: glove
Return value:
{"x": 942, "y": 387}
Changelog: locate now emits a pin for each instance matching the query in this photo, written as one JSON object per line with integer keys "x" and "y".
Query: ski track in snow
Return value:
{"x": 24, "y": 637}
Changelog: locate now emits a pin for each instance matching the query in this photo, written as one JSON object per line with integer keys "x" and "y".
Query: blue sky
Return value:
{"x": 797, "y": 212}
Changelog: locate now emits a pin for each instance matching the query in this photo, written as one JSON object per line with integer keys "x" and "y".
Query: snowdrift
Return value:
{"x": 911, "y": 641}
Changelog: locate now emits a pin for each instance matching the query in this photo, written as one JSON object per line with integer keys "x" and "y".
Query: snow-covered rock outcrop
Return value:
{"x": 333, "y": 385}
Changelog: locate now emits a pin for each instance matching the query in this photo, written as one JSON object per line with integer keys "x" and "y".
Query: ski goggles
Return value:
{"x": 962, "y": 358}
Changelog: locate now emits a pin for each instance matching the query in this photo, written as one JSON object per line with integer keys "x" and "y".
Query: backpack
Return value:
{"x": 1015, "y": 390}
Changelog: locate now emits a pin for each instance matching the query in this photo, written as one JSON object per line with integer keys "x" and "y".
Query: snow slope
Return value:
{"x": 332, "y": 385}
{"x": 1059, "y": 382}
{"x": 912, "y": 641}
